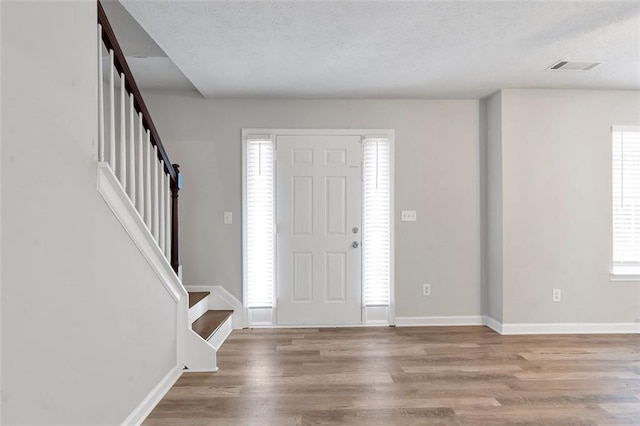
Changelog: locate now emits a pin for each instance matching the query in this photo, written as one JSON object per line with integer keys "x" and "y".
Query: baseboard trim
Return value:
{"x": 314, "y": 326}
{"x": 570, "y": 328}
{"x": 142, "y": 411}
{"x": 493, "y": 324}
{"x": 520, "y": 329}
{"x": 439, "y": 321}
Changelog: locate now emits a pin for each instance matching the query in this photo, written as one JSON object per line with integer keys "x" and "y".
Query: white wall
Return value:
{"x": 494, "y": 247}
{"x": 87, "y": 328}
{"x": 437, "y": 169}
{"x": 556, "y": 181}
{"x": 1, "y": 392}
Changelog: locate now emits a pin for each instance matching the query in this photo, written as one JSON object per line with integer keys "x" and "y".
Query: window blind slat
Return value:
{"x": 626, "y": 197}
{"x": 376, "y": 248}
{"x": 260, "y": 222}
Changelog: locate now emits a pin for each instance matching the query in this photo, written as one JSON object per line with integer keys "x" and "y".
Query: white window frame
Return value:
{"x": 371, "y": 316}
{"x": 621, "y": 272}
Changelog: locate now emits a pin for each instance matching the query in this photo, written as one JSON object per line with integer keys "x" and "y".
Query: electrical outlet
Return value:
{"x": 408, "y": 216}
{"x": 426, "y": 289}
{"x": 557, "y": 294}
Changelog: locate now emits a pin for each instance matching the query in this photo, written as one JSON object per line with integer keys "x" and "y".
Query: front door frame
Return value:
{"x": 265, "y": 317}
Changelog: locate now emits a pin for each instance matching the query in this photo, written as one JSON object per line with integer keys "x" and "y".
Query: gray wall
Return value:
{"x": 493, "y": 221}
{"x": 541, "y": 160}
{"x": 556, "y": 180}
{"x": 437, "y": 169}
{"x": 87, "y": 328}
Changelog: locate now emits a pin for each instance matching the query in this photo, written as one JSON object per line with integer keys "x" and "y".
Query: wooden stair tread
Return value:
{"x": 208, "y": 323}
{"x": 196, "y": 296}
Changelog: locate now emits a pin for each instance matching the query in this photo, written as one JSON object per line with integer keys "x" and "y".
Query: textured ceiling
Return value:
{"x": 392, "y": 49}
{"x": 151, "y": 67}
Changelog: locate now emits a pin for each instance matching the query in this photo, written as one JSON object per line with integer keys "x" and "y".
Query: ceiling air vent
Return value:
{"x": 573, "y": 66}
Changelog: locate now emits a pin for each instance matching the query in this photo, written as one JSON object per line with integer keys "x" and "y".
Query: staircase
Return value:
{"x": 141, "y": 185}
{"x": 213, "y": 326}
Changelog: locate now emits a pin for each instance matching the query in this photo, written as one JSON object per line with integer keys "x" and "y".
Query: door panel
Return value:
{"x": 336, "y": 276}
{"x": 302, "y": 194}
{"x": 336, "y": 204}
{"x": 302, "y": 277}
{"x": 318, "y": 207}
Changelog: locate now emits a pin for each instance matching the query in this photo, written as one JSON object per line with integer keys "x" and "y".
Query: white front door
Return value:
{"x": 318, "y": 209}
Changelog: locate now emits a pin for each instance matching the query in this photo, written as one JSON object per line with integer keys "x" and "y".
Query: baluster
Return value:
{"x": 175, "y": 232}
{"x": 112, "y": 115}
{"x": 122, "y": 167}
{"x": 132, "y": 151}
{"x": 140, "y": 167}
{"x": 147, "y": 191}
{"x": 154, "y": 207}
{"x": 167, "y": 216}
{"x": 100, "y": 98}
{"x": 161, "y": 206}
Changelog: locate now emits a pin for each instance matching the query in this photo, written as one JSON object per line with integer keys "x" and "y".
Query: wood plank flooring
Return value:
{"x": 410, "y": 376}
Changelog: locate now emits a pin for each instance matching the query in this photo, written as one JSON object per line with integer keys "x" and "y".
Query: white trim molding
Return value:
{"x": 626, "y": 278}
{"x": 493, "y": 324}
{"x": 521, "y": 328}
{"x": 571, "y": 328}
{"x": 116, "y": 198}
{"x": 375, "y": 315}
{"x": 266, "y": 317}
{"x": 625, "y": 273}
{"x": 439, "y": 321}
{"x": 140, "y": 413}
{"x": 201, "y": 354}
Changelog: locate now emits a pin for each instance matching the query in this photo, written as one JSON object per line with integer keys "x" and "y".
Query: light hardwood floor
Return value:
{"x": 410, "y": 376}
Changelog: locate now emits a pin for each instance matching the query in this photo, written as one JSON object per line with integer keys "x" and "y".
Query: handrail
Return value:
{"x": 168, "y": 227}
{"x": 110, "y": 41}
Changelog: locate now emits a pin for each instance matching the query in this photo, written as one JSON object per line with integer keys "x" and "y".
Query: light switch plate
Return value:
{"x": 408, "y": 216}
{"x": 228, "y": 218}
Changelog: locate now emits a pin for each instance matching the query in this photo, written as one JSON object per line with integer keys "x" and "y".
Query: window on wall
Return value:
{"x": 626, "y": 199}
{"x": 376, "y": 195}
{"x": 260, "y": 247}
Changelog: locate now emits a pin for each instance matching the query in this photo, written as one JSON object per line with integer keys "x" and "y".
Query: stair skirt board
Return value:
{"x": 117, "y": 199}
{"x": 201, "y": 354}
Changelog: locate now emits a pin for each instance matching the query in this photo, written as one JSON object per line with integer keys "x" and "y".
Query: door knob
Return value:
{"x": 355, "y": 244}
{"x": 354, "y": 230}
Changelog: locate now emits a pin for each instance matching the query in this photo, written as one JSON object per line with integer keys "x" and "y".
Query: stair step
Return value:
{"x": 207, "y": 324}
{"x": 196, "y": 296}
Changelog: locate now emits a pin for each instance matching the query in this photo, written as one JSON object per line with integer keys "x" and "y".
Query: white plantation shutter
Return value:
{"x": 376, "y": 247}
{"x": 260, "y": 222}
{"x": 626, "y": 196}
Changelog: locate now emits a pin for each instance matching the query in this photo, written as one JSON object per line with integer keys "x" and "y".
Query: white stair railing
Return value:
{"x": 130, "y": 146}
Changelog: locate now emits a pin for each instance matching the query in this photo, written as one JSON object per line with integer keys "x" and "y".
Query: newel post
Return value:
{"x": 175, "y": 246}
